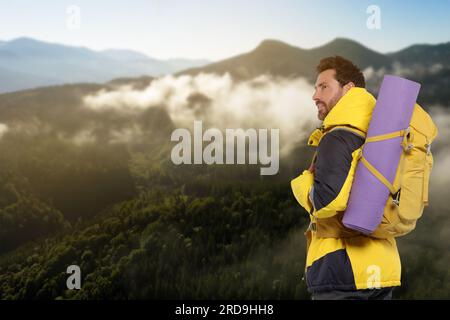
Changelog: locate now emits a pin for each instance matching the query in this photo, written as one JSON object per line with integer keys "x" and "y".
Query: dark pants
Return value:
{"x": 368, "y": 294}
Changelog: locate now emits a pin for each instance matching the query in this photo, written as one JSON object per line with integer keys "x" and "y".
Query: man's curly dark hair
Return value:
{"x": 346, "y": 71}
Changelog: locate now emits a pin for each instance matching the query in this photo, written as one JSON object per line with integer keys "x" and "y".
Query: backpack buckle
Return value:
{"x": 428, "y": 148}
{"x": 312, "y": 226}
{"x": 406, "y": 141}
{"x": 359, "y": 154}
{"x": 396, "y": 198}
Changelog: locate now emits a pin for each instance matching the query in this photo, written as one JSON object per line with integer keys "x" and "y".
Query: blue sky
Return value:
{"x": 219, "y": 29}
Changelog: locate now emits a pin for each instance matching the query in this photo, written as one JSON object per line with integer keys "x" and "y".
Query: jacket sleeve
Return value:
{"x": 301, "y": 187}
{"x": 334, "y": 171}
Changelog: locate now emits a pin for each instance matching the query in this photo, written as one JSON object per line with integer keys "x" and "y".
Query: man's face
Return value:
{"x": 327, "y": 93}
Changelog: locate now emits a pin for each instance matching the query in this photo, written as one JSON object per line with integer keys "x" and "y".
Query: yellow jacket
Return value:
{"x": 339, "y": 258}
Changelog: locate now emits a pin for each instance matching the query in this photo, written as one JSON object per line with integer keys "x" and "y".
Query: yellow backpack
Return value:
{"x": 409, "y": 192}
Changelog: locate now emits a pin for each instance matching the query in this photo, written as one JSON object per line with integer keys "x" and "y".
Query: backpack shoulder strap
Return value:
{"x": 356, "y": 131}
{"x": 406, "y": 147}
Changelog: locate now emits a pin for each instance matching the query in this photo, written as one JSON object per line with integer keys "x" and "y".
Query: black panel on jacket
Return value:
{"x": 334, "y": 158}
{"x": 331, "y": 272}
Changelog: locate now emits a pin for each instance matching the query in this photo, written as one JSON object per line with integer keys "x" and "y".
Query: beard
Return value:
{"x": 324, "y": 108}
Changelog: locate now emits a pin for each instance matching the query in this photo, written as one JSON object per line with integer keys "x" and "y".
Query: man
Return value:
{"x": 341, "y": 263}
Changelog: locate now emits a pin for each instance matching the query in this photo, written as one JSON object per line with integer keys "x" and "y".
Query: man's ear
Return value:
{"x": 348, "y": 86}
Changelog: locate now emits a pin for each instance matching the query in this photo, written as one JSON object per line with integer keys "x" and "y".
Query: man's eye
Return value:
{"x": 324, "y": 87}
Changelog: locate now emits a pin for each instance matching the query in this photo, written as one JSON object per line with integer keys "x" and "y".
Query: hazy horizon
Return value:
{"x": 210, "y": 60}
{"x": 216, "y": 30}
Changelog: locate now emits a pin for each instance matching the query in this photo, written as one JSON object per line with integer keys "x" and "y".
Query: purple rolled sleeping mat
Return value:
{"x": 392, "y": 112}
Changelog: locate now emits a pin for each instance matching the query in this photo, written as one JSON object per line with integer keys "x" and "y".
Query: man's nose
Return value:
{"x": 315, "y": 96}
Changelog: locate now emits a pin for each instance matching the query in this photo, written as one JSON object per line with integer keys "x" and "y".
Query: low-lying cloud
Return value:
{"x": 220, "y": 102}
{"x": 3, "y": 129}
{"x": 398, "y": 69}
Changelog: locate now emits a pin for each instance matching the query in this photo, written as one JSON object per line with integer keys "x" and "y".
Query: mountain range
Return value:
{"x": 28, "y": 63}
{"x": 279, "y": 58}
{"x": 426, "y": 64}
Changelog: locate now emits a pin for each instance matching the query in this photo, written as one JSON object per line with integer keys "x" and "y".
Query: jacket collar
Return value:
{"x": 353, "y": 109}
